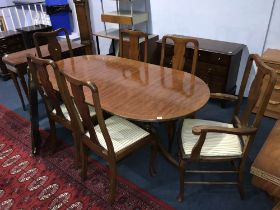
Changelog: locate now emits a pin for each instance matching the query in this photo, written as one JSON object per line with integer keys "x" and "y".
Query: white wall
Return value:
{"x": 4, "y": 3}
{"x": 273, "y": 38}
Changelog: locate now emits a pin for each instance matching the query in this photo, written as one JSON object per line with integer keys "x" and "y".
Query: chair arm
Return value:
{"x": 224, "y": 96}
{"x": 203, "y": 129}
{"x": 198, "y": 130}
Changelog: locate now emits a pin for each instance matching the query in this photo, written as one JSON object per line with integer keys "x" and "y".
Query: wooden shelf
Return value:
{"x": 114, "y": 34}
{"x": 125, "y": 17}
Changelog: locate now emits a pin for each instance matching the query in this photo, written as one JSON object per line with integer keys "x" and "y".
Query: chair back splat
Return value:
{"x": 79, "y": 110}
{"x": 265, "y": 79}
{"x": 179, "y": 56}
{"x": 54, "y": 47}
{"x": 40, "y": 75}
{"x": 134, "y": 38}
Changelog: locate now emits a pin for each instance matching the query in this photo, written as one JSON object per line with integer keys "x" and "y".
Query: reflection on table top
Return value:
{"x": 137, "y": 90}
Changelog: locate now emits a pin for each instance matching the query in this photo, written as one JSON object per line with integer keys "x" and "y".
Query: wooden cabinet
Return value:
{"x": 28, "y": 31}
{"x": 10, "y": 41}
{"x": 218, "y": 62}
{"x": 272, "y": 58}
{"x": 266, "y": 167}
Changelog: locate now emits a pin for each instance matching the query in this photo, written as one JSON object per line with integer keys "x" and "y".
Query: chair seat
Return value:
{"x": 215, "y": 145}
{"x": 122, "y": 132}
{"x": 66, "y": 113}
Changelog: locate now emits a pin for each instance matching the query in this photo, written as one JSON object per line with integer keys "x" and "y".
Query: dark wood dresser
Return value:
{"x": 218, "y": 62}
{"x": 10, "y": 42}
{"x": 271, "y": 57}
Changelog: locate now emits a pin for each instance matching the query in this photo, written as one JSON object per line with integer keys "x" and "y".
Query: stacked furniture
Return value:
{"x": 10, "y": 41}
{"x": 218, "y": 62}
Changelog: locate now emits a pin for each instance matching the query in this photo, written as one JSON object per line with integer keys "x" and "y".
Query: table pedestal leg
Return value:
{"x": 163, "y": 151}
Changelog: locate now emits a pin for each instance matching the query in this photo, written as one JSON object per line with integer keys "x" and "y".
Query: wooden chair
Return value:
{"x": 53, "y": 44}
{"x": 210, "y": 141}
{"x": 134, "y": 41}
{"x": 56, "y": 110}
{"x": 112, "y": 139}
{"x": 179, "y": 56}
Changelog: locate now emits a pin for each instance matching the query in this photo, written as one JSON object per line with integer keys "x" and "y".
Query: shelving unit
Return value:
{"x": 124, "y": 17}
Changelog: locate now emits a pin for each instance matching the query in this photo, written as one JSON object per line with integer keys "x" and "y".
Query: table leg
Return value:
{"x": 23, "y": 83}
{"x": 164, "y": 152}
{"x": 97, "y": 45}
{"x": 14, "y": 78}
{"x": 170, "y": 127}
{"x": 114, "y": 50}
{"x": 34, "y": 116}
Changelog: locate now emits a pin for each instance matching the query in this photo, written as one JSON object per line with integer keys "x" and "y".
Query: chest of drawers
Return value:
{"x": 218, "y": 62}
{"x": 271, "y": 57}
{"x": 10, "y": 41}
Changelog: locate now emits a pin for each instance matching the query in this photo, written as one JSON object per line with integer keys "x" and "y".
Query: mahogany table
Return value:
{"x": 136, "y": 90}
{"x": 16, "y": 63}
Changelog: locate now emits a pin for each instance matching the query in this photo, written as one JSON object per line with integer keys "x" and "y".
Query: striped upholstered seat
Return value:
{"x": 66, "y": 113}
{"x": 122, "y": 132}
{"x": 216, "y": 144}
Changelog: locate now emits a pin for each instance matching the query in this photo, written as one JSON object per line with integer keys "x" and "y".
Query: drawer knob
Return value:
{"x": 277, "y": 71}
{"x": 274, "y": 102}
{"x": 219, "y": 58}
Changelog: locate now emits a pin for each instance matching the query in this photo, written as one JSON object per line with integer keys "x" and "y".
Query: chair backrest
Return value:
{"x": 54, "y": 47}
{"x": 134, "y": 38}
{"x": 264, "y": 80}
{"x": 39, "y": 69}
{"x": 79, "y": 110}
{"x": 179, "y": 55}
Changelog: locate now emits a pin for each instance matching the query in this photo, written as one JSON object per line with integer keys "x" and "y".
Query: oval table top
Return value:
{"x": 137, "y": 90}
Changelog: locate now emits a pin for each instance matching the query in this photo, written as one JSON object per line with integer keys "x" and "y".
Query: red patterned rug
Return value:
{"x": 51, "y": 181}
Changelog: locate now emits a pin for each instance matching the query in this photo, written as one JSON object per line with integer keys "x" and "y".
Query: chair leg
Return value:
{"x": 77, "y": 145}
{"x": 52, "y": 135}
{"x": 154, "y": 150}
{"x": 182, "y": 167}
{"x": 240, "y": 182}
{"x": 84, "y": 161}
{"x": 113, "y": 181}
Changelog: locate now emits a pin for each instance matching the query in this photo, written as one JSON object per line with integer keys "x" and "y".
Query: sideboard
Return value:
{"x": 218, "y": 62}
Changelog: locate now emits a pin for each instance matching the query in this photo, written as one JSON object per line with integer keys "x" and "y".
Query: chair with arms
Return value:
{"x": 54, "y": 47}
{"x": 179, "y": 56}
{"x": 112, "y": 139}
{"x": 211, "y": 141}
{"x": 134, "y": 44}
{"x": 56, "y": 110}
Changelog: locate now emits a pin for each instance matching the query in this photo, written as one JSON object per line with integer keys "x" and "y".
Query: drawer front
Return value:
{"x": 214, "y": 58}
{"x": 211, "y": 70}
{"x": 213, "y": 75}
{"x": 11, "y": 40}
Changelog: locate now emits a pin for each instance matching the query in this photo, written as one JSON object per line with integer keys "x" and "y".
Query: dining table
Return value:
{"x": 133, "y": 89}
